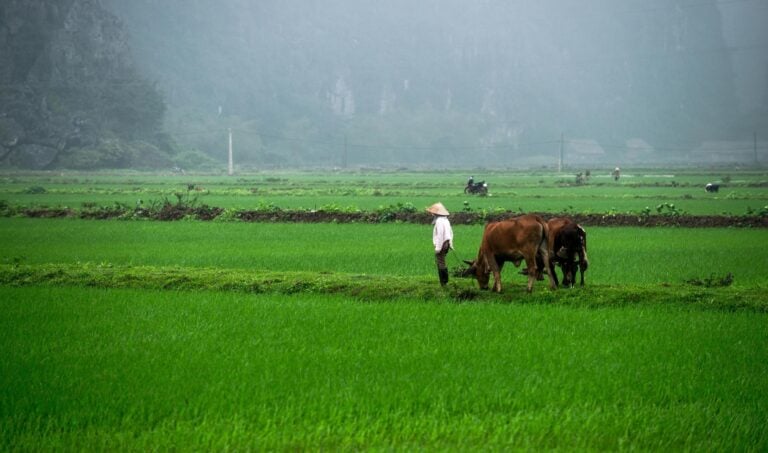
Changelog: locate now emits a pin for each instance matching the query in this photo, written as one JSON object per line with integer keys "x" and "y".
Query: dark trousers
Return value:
{"x": 440, "y": 256}
{"x": 442, "y": 269}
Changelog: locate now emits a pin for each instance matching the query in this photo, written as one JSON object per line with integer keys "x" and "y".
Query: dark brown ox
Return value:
{"x": 516, "y": 239}
{"x": 567, "y": 241}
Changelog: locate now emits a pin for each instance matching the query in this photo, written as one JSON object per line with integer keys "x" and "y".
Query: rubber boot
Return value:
{"x": 443, "y": 273}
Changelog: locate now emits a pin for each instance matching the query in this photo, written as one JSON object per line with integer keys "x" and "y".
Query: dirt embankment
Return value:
{"x": 170, "y": 212}
{"x": 474, "y": 218}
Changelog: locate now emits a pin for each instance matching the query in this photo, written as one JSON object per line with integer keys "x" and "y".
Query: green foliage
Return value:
{"x": 762, "y": 212}
{"x": 228, "y": 215}
{"x": 389, "y": 213}
{"x": 4, "y": 208}
{"x": 336, "y": 208}
{"x": 668, "y": 209}
{"x": 266, "y": 206}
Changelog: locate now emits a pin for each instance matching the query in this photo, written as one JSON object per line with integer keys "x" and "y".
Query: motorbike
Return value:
{"x": 480, "y": 188}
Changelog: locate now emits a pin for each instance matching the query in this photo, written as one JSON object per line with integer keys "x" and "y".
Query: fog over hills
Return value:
{"x": 449, "y": 83}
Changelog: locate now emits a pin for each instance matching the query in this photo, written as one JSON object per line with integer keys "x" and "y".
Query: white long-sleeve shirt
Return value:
{"x": 441, "y": 232}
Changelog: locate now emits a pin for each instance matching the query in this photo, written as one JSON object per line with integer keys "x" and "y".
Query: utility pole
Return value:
{"x": 344, "y": 160}
{"x": 755, "y": 146}
{"x": 562, "y": 146}
{"x": 231, "y": 166}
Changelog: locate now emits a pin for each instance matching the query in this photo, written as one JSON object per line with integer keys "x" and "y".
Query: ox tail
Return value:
{"x": 544, "y": 244}
{"x": 583, "y": 252}
{"x": 544, "y": 247}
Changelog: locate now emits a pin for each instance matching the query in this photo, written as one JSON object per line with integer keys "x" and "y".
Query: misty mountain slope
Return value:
{"x": 70, "y": 95}
{"x": 494, "y": 81}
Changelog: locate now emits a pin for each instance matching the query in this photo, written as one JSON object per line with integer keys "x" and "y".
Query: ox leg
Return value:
{"x": 540, "y": 266}
{"x": 497, "y": 276}
{"x": 569, "y": 272}
{"x": 568, "y": 265}
{"x": 552, "y": 273}
{"x": 532, "y": 271}
{"x": 497, "y": 281}
{"x": 547, "y": 265}
{"x": 583, "y": 264}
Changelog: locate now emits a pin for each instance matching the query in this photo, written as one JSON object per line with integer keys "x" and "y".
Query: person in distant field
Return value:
{"x": 442, "y": 239}
{"x": 616, "y": 174}
{"x": 470, "y": 181}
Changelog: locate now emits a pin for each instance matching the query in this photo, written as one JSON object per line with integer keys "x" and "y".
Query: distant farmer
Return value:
{"x": 442, "y": 239}
{"x": 616, "y": 174}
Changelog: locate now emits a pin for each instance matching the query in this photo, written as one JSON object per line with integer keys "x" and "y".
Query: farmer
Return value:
{"x": 442, "y": 239}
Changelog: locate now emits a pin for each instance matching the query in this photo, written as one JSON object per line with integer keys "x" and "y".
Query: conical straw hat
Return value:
{"x": 438, "y": 209}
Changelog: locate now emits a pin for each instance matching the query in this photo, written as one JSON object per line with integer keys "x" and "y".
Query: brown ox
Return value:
{"x": 567, "y": 241}
{"x": 516, "y": 239}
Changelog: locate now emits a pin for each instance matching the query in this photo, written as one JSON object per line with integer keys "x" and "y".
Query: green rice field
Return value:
{"x": 94, "y": 369}
{"x": 636, "y": 191}
{"x": 621, "y": 256}
{"x": 135, "y": 335}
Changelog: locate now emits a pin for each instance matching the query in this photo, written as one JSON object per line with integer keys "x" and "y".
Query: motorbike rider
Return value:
{"x": 475, "y": 187}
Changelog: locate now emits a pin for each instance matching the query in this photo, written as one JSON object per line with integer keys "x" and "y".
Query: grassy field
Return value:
{"x": 542, "y": 192}
{"x": 93, "y": 369}
{"x": 225, "y": 335}
{"x": 618, "y": 256}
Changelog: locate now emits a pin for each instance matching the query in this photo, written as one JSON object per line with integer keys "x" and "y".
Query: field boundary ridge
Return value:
{"x": 387, "y": 215}
{"x": 374, "y": 288}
